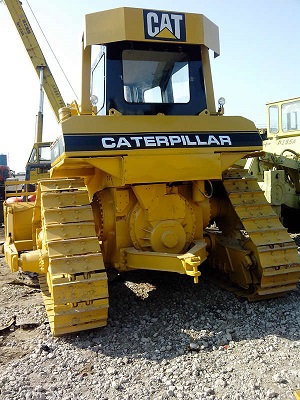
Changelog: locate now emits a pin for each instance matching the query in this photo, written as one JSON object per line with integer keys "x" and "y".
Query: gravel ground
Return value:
{"x": 167, "y": 338}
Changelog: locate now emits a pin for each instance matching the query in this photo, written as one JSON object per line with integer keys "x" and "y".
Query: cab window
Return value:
{"x": 290, "y": 116}
{"x": 273, "y": 119}
{"x": 98, "y": 80}
{"x": 155, "y": 77}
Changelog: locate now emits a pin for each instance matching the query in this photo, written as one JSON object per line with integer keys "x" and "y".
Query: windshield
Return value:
{"x": 155, "y": 77}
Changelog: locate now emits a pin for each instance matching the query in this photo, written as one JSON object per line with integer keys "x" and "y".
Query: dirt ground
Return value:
{"x": 18, "y": 294}
{"x": 22, "y": 313}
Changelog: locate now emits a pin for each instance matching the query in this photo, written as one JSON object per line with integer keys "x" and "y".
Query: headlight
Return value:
{"x": 94, "y": 99}
{"x": 221, "y": 101}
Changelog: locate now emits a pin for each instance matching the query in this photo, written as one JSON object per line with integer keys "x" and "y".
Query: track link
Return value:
{"x": 276, "y": 255}
{"x": 75, "y": 289}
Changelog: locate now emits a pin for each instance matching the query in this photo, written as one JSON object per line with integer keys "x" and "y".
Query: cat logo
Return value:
{"x": 164, "y": 26}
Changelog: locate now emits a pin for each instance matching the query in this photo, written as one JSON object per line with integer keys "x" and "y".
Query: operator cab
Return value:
{"x": 284, "y": 118}
{"x": 137, "y": 78}
{"x": 39, "y": 162}
{"x": 147, "y": 62}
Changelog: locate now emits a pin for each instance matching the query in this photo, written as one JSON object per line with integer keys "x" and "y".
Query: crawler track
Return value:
{"x": 275, "y": 267}
{"x": 75, "y": 288}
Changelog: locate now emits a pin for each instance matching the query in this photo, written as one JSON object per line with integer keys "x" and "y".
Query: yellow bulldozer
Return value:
{"x": 144, "y": 175}
{"x": 278, "y": 168}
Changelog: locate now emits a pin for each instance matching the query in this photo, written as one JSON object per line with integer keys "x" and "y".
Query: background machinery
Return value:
{"x": 144, "y": 176}
{"x": 4, "y": 175}
{"x": 278, "y": 170}
{"x": 39, "y": 161}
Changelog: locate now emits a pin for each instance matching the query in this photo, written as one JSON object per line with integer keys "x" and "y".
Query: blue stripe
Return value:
{"x": 127, "y": 142}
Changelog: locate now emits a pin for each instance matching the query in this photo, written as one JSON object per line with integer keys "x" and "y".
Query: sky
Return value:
{"x": 259, "y": 61}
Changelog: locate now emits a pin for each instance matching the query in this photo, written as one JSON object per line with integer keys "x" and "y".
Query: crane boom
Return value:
{"x": 35, "y": 54}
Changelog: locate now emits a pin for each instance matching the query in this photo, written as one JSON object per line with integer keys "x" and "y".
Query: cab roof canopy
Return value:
{"x": 134, "y": 24}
